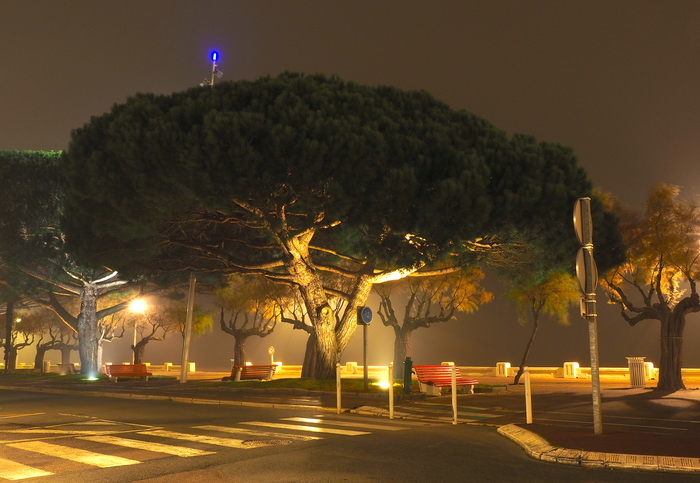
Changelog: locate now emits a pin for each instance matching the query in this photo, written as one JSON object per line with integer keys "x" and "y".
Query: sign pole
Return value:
{"x": 587, "y": 274}
{"x": 364, "y": 317}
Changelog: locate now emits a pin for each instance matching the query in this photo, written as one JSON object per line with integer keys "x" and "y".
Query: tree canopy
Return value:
{"x": 297, "y": 177}
{"x": 659, "y": 279}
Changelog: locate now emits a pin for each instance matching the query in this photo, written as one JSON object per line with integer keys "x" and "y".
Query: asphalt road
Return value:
{"x": 61, "y": 438}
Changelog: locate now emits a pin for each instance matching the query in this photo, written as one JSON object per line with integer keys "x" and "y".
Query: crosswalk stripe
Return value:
{"x": 252, "y": 432}
{"x": 6, "y": 416}
{"x": 227, "y": 442}
{"x": 181, "y": 451}
{"x": 345, "y": 423}
{"x": 312, "y": 429}
{"x": 74, "y": 454}
{"x": 10, "y": 470}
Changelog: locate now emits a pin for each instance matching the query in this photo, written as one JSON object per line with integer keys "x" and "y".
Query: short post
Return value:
{"x": 337, "y": 386}
{"x": 454, "y": 394}
{"x": 391, "y": 390}
{"x": 407, "y": 375}
{"x": 528, "y": 396}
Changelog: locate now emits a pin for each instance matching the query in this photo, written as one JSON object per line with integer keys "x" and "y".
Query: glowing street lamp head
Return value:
{"x": 138, "y": 305}
{"x": 214, "y": 56}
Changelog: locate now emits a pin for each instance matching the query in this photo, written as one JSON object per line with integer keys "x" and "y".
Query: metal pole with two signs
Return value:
{"x": 587, "y": 274}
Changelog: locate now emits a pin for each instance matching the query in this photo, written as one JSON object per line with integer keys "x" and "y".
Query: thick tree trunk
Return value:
{"x": 239, "y": 351}
{"x": 523, "y": 362}
{"x": 39, "y": 357}
{"x": 65, "y": 353}
{"x": 139, "y": 350}
{"x": 670, "y": 378}
{"x": 11, "y": 359}
{"x": 401, "y": 340}
{"x": 87, "y": 330}
{"x": 309, "y": 367}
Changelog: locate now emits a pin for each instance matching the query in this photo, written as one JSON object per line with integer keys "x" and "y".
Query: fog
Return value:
{"x": 490, "y": 335}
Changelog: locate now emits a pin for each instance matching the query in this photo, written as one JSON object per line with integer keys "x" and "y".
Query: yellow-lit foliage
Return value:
{"x": 663, "y": 249}
{"x": 554, "y": 296}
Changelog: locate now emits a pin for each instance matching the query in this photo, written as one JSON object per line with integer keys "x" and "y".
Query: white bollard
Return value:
{"x": 528, "y": 396}
{"x": 337, "y": 386}
{"x": 391, "y": 390}
{"x": 454, "y": 394}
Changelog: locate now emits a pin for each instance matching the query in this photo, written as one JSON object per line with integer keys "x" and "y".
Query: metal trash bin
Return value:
{"x": 636, "y": 367}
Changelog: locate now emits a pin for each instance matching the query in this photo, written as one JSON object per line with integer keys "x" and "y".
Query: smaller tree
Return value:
{"x": 51, "y": 330}
{"x": 201, "y": 319}
{"x": 155, "y": 322}
{"x": 253, "y": 310}
{"x": 553, "y": 296}
{"x": 430, "y": 300}
{"x": 25, "y": 330}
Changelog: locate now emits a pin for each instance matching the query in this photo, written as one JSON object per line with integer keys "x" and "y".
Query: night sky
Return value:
{"x": 617, "y": 81}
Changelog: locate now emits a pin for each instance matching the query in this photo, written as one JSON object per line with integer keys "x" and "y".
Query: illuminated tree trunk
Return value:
{"x": 239, "y": 351}
{"x": 309, "y": 367}
{"x": 670, "y": 378}
{"x": 88, "y": 335}
{"x": 66, "y": 349}
{"x": 140, "y": 350}
{"x": 401, "y": 340}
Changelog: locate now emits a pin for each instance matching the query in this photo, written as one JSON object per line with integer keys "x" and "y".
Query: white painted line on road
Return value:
{"x": 180, "y": 451}
{"x": 611, "y": 424}
{"x": 74, "y": 454}
{"x": 628, "y": 417}
{"x": 252, "y": 432}
{"x": 312, "y": 429}
{"x": 344, "y": 423}
{"x": 63, "y": 432}
{"x": 227, "y": 442}
{"x": 7, "y": 416}
{"x": 10, "y": 470}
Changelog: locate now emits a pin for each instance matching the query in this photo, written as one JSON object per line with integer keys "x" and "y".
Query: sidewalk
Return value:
{"x": 642, "y": 428}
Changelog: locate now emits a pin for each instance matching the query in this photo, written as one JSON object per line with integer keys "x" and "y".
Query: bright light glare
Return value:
{"x": 138, "y": 305}
{"x": 383, "y": 384}
{"x": 215, "y": 56}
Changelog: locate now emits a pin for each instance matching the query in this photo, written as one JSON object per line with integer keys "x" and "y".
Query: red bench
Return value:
{"x": 115, "y": 371}
{"x": 251, "y": 373}
{"x": 441, "y": 376}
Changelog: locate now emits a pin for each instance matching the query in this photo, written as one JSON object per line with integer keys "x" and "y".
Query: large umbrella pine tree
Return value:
{"x": 303, "y": 179}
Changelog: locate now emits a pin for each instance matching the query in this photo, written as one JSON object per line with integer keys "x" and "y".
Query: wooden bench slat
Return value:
{"x": 441, "y": 376}
{"x": 114, "y": 372}
{"x": 249, "y": 373}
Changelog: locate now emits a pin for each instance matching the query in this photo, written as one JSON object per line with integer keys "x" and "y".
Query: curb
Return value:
{"x": 537, "y": 448}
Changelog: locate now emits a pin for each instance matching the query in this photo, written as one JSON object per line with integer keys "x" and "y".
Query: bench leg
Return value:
{"x": 113, "y": 379}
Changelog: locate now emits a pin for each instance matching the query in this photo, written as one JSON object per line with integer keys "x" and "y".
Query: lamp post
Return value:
{"x": 215, "y": 72}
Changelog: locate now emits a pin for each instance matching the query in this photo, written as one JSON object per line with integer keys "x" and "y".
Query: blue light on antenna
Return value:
{"x": 215, "y": 56}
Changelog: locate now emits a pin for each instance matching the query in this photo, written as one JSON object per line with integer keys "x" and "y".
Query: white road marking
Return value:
{"x": 7, "y": 416}
{"x": 344, "y": 423}
{"x": 312, "y": 429}
{"x": 252, "y": 432}
{"x": 10, "y": 470}
{"x": 227, "y": 442}
{"x": 74, "y": 454}
{"x": 145, "y": 445}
